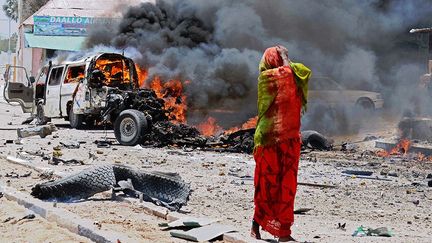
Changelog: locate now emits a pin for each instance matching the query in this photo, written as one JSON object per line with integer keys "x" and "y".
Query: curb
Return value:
{"x": 62, "y": 217}
{"x": 148, "y": 208}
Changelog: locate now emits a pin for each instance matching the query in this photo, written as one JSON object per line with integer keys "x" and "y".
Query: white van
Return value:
{"x": 73, "y": 90}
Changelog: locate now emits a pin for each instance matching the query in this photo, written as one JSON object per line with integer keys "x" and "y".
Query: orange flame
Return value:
{"x": 142, "y": 75}
{"x": 400, "y": 149}
{"x": 251, "y": 123}
{"x": 421, "y": 157}
{"x": 209, "y": 127}
{"x": 172, "y": 93}
{"x": 113, "y": 70}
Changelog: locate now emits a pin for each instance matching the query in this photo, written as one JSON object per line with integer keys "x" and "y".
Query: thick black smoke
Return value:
{"x": 218, "y": 44}
{"x": 178, "y": 39}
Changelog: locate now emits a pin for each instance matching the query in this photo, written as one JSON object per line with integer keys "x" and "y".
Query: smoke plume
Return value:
{"x": 217, "y": 44}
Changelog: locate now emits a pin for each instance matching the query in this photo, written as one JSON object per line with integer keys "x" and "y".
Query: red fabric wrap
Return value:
{"x": 286, "y": 108}
{"x": 276, "y": 185}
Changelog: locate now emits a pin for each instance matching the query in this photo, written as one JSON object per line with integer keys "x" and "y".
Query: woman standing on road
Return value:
{"x": 282, "y": 94}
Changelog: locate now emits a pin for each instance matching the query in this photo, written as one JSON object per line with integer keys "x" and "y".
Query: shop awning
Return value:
{"x": 65, "y": 43}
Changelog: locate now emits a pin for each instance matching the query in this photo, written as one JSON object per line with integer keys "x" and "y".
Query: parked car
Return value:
{"x": 94, "y": 88}
{"x": 326, "y": 91}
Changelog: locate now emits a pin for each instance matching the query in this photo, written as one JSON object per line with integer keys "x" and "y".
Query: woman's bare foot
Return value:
{"x": 286, "y": 239}
{"x": 255, "y": 232}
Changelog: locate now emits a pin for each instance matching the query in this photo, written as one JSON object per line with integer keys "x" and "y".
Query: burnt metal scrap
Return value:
{"x": 241, "y": 141}
{"x": 144, "y": 100}
{"x": 159, "y": 131}
{"x": 164, "y": 133}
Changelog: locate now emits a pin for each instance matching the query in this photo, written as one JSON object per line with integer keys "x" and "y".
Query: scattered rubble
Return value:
{"x": 363, "y": 231}
{"x": 215, "y": 175}
{"x": 16, "y": 175}
{"x": 55, "y": 161}
{"x": 357, "y": 172}
{"x": 70, "y": 145}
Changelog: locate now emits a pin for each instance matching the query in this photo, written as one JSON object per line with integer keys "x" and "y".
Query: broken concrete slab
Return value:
{"x": 416, "y": 128}
{"x": 189, "y": 222}
{"x": 205, "y": 233}
{"x": 42, "y": 131}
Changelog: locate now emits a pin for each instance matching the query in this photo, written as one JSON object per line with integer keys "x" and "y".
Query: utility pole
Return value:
{"x": 9, "y": 42}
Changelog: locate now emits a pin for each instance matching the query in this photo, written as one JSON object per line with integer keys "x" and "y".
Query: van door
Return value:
{"x": 73, "y": 76}
{"x": 52, "y": 101}
{"x": 18, "y": 88}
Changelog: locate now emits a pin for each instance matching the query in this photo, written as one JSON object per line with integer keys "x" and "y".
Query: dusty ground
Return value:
{"x": 402, "y": 204}
{"x": 15, "y": 229}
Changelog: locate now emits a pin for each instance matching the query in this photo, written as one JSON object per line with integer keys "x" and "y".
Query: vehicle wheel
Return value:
{"x": 130, "y": 127}
{"x": 75, "y": 120}
{"x": 365, "y": 104}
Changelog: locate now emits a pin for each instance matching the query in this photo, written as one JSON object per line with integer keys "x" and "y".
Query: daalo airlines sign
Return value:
{"x": 66, "y": 26}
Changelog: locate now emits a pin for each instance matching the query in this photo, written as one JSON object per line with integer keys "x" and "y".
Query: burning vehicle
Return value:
{"x": 107, "y": 88}
{"x": 97, "y": 88}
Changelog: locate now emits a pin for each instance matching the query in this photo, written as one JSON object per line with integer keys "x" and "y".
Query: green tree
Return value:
{"x": 31, "y": 6}
{"x": 4, "y": 43}
{"x": 11, "y": 9}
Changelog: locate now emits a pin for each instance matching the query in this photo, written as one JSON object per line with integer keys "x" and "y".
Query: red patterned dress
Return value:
{"x": 277, "y": 142}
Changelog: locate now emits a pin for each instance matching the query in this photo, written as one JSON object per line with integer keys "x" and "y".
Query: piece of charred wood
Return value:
{"x": 42, "y": 131}
{"x": 241, "y": 141}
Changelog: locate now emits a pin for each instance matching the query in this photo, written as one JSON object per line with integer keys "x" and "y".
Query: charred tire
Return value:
{"x": 75, "y": 120}
{"x": 77, "y": 186}
{"x": 315, "y": 140}
{"x": 169, "y": 189}
{"x": 165, "y": 189}
{"x": 130, "y": 127}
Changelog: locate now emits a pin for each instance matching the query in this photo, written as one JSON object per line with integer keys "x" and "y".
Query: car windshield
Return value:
{"x": 323, "y": 83}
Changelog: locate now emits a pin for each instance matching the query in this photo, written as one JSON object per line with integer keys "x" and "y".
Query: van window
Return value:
{"x": 74, "y": 74}
{"x": 115, "y": 72}
{"x": 55, "y": 76}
